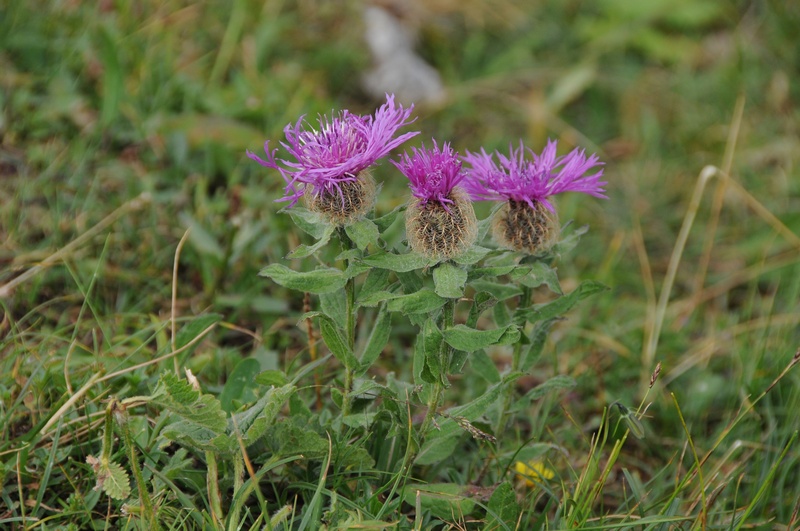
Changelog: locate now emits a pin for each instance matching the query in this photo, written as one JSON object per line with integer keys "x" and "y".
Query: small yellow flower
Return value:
{"x": 534, "y": 472}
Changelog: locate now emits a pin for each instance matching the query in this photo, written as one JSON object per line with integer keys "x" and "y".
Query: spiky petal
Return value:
{"x": 432, "y": 173}
{"x": 341, "y": 147}
{"x": 532, "y": 180}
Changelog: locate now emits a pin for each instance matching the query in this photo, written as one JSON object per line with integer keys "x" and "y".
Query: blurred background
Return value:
{"x": 101, "y": 102}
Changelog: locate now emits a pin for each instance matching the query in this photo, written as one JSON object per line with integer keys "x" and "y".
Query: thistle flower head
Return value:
{"x": 341, "y": 147}
{"x": 440, "y": 220}
{"x": 532, "y": 180}
{"x": 432, "y": 174}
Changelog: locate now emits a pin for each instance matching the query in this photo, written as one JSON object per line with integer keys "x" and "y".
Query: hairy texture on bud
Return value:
{"x": 441, "y": 230}
{"x": 346, "y": 203}
{"x": 520, "y": 227}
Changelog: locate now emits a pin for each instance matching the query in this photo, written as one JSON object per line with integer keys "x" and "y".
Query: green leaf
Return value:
{"x": 492, "y": 271}
{"x": 472, "y": 255}
{"x": 553, "y": 384}
{"x": 484, "y": 366}
{"x": 423, "y": 301}
{"x": 363, "y": 232}
{"x": 503, "y": 509}
{"x": 377, "y": 340}
{"x": 500, "y": 291}
{"x": 536, "y": 274}
{"x": 321, "y": 280}
{"x": 307, "y": 250}
{"x": 178, "y": 396}
{"x": 543, "y": 312}
{"x": 113, "y": 83}
{"x": 469, "y": 339}
{"x": 537, "y": 340}
{"x": 336, "y": 342}
{"x": 444, "y": 500}
{"x": 309, "y": 222}
{"x": 386, "y": 220}
{"x": 397, "y": 262}
{"x": 432, "y": 346}
{"x": 252, "y": 423}
{"x": 240, "y": 384}
{"x": 449, "y": 280}
{"x": 287, "y": 438}
{"x": 482, "y": 301}
{"x": 193, "y": 328}
{"x": 115, "y": 481}
{"x": 377, "y": 280}
{"x": 568, "y": 243}
{"x": 199, "y": 437}
{"x": 272, "y": 377}
{"x": 334, "y": 305}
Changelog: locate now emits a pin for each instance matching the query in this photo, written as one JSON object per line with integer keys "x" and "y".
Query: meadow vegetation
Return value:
{"x": 150, "y": 378}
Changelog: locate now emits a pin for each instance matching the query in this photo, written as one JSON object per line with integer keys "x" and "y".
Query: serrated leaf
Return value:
{"x": 240, "y": 384}
{"x": 115, "y": 482}
{"x": 321, "y": 280}
{"x": 363, "y": 233}
{"x": 335, "y": 340}
{"x": 468, "y": 339}
{"x": 423, "y": 301}
{"x": 377, "y": 340}
{"x": 307, "y": 250}
{"x": 543, "y": 312}
{"x": 553, "y": 384}
{"x": 449, "y": 280}
{"x": 398, "y": 262}
{"x": 178, "y": 397}
{"x": 193, "y": 328}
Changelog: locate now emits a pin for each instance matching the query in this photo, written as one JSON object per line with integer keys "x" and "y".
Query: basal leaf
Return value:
{"x": 321, "y": 280}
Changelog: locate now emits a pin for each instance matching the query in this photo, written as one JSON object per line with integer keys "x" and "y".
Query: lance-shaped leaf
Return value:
{"x": 469, "y": 339}
{"x": 536, "y": 274}
{"x": 543, "y": 312}
{"x": 423, "y": 301}
{"x": 309, "y": 222}
{"x": 500, "y": 291}
{"x": 321, "y": 280}
{"x": 253, "y": 422}
{"x": 336, "y": 342}
{"x": 193, "y": 328}
{"x": 307, "y": 250}
{"x": 432, "y": 370}
{"x": 398, "y": 262}
{"x": 537, "y": 339}
{"x": 473, "y": 255}
{"x": 377, "y": 340}
{"x": 449, "y": 280}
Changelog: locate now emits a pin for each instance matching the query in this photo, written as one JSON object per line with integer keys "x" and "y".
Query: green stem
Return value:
{"x": 238, "y": 483}
{"x": 516, "y": 359}
{"x": 212, "y": 485}
{"x": 350, "y": 325}
{"x": 445, "y": 353}
{"x": 148, "y": 514}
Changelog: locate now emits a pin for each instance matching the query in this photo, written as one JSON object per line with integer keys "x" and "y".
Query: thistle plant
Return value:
{"x": 442, "y": 279}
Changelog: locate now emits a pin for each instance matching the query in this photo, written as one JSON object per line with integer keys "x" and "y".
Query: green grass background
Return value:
{"x": 102, "y": 102}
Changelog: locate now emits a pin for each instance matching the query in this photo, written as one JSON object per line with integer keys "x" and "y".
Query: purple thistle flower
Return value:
{"x": 432, "y": 173}
{"x": 532, "y": 181}
{"x": 343, "y": 146}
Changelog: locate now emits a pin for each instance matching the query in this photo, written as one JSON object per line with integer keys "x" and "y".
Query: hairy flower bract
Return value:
{"x": 336, "y": 151}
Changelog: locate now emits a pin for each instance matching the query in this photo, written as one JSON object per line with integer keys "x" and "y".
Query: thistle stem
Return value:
{"x": 445, "y": 353}
{"x": 516, "y": 359}
{"x": 350, "y": 325}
